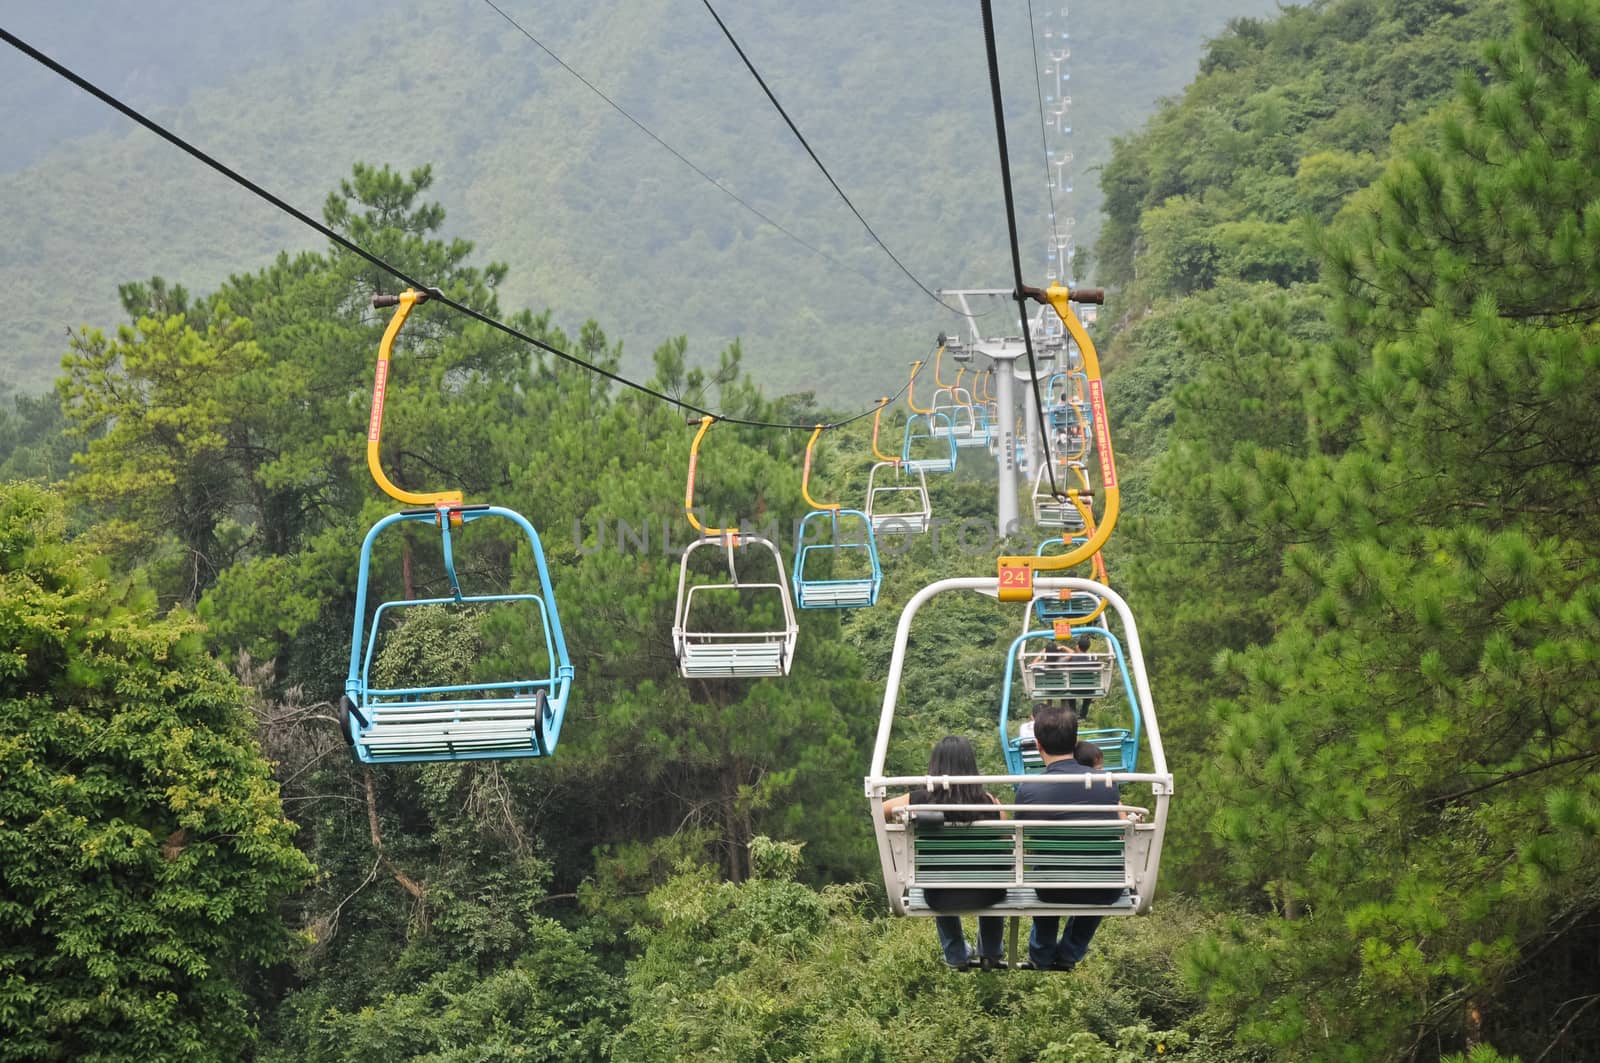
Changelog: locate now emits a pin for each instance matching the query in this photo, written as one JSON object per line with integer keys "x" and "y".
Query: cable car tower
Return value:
{"x": 1052, "y": 347}
{"x": 1055, "y": 75}
{"x": 1054, "y": 350}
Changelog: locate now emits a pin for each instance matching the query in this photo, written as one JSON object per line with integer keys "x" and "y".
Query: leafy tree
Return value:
{"x": 33, "y": 439}
{"x": 143, "y": 849}
{"x": 1287, "y": 117}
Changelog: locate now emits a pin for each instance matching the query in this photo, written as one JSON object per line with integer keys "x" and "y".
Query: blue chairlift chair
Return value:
{"x": 1073, "y": 675}
{"x": 468, "y": 720}
{"x": 855, "y": 542}
{"x": 933, "y": 452}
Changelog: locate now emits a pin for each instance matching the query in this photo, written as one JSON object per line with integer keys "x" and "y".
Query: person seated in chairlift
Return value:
{"x": 1081, "y": 705}
{"x": 1090, "y": 755}
{"x": 1025, "y": 732}
{"x": 1055, "y": 728}
{"x": 953, "y": 755}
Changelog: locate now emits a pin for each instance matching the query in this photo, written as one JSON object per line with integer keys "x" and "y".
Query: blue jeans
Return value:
{"x": 1045, "y": 951}
{"x": 991, "y": 938}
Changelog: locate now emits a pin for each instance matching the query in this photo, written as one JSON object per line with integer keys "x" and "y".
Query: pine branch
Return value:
{"x": 1561, "y": 1035}
{"x": 1511, "y": 776}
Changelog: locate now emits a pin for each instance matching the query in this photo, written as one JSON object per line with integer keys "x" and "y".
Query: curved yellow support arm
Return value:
{"x": 1016, "y": 573}
{"x": 937, "y": 372}
{"x": 404, "y": 302}
{"x": 911, "y": 389}
{"x": 805, "y": 477}
{"x": 957, "y": 385}
{"x": 688, "y": 491}
{"x": 880, "y": 455}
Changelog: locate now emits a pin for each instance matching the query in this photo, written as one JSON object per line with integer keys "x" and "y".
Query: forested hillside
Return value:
{"x": 596, "y": 221}
{"x": 1368, "y": 541}
{"x": 1353, "y": 375}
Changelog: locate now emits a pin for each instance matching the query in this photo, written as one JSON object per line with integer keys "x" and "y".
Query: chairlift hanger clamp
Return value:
{"x": 1016, "y": 572}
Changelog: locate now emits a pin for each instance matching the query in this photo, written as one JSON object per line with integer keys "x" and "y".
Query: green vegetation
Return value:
{"x": 1354, "y": 372}
{"x": 143, "y": 848}
{"x": 1372, "y": 549}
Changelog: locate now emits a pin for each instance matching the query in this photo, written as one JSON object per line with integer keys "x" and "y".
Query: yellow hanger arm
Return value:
{"x": 1015, "y": 585}
{"x": 380, "y": 383}
{"x": 688, "y": 491}
{"x": 805, "y": 476}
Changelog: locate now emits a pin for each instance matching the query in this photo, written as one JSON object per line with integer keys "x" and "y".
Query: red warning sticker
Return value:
{"x": 1102, "y": 436}
{"x": 375, "y": 423}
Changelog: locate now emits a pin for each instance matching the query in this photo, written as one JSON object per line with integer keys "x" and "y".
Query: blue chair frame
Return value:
{"x": 925, "y": 465}
{"x": 853, "y": 593}
{"x": 1121, "y": 741}
{"x": 467, "y": 721}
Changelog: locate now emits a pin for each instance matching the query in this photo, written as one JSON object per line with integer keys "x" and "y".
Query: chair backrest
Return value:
{"x": 1089, "y": 856}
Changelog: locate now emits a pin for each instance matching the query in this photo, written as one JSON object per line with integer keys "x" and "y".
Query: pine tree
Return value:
{"x": 1408, "y": 772}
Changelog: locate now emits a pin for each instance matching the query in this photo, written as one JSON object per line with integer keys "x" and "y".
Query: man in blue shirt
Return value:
{"x": 1055, "y": 728}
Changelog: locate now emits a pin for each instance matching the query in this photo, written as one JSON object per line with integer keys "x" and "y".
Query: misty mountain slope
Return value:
{"x": 594, "y": 219}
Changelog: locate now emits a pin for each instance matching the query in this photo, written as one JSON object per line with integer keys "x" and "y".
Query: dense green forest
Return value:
{"x": 598, "y": 221}
{"x": 1353, "y": 370}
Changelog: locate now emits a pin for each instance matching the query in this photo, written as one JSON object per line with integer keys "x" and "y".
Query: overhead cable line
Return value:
{"x": 1011, "y": 228}
{"x": 433, "y": 293}
{"x": 929, "y": 292}
{"x": 1044, "y": 141}
{"x": 647, "y": 131}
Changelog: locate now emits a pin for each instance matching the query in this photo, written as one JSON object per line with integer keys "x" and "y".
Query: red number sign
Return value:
{"x": 1016, "y": 583}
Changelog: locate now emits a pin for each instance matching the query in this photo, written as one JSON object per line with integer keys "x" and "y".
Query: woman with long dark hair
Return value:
{"x": 953, "y": 755}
